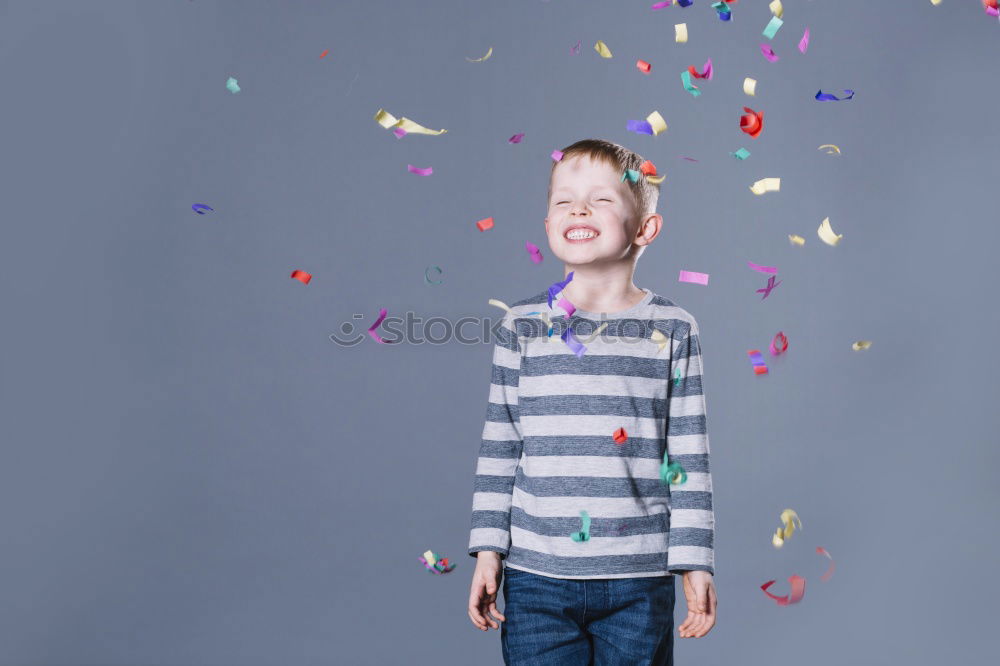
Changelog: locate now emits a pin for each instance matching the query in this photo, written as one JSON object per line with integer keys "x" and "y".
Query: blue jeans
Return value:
{"x": 603, "y": 621}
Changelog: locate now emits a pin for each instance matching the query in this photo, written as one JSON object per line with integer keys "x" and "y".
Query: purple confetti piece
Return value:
{"x": 639, "y": 127}
{"x": 516, "y": 138}
{"x": 575, "y": 345}
{"x": 662, "y": 5}
{"x": 827, "y": 97}
{"x": 768, "y": 52}
{"x": 767, "y": 289}
{"x": 420, "y": 171}
{"x": 371, "y": 329}
{"x": 559, "y": 286}
{"x": 399, "y": 132}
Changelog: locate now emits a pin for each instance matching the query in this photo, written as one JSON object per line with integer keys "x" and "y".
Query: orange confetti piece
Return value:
{"x": 302, "y": 276}
{"x": 323, "y": 54}
{"x": 485, "y": 224}
{"x": 620, "y": 436}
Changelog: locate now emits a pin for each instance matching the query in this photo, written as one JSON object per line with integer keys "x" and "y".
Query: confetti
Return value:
{"x": 557, "y": 287}
{"x": 639, "y": 127}
{"x": 430, "y": 281}
{"x": 788, "y": 519}
{"x": 741, "y": 154}
{"x": 485, "y": 57}
{"x": 399, "y": 132}
{"x": 656, "y": 180}
{"x": 690, "y": 87}
{"x": 935, "y": 2}
{"x": 647, "y": 168}
{"x": 567, "y": 307}
{"x": 723, "y": 10}
{"x": 389, "y": 121}
{"x": 804, "y": 42}
{"x": 232, "y": 86}
{"x": 677, "y": 376}
{"x": 575, "y": 50}
{"x": 766, "y": 185}
{"x": 750, "y": 86}
{"x": 776, "y": 8}
{"x": 584, "y": 533}
{"x": 861, "y": 345}
{"x": 689, "y": 159}
{"x": 602, "y": 49}
{"x": 371, "y": 329}
{"x": 826, "y": 234}
{"x": 798, "y": 585}
{"x": 772, "y": 27}
{"x": 768, "y": 52}
{"x": 203, "y": 207}
{"x": 323, "y": 54}
{"x": 643, "y": 66}
{"x": 557, "y": 155}
{"x": 657, "y": 122}
{"x": 685, "y": 3}
{"x": 779, "y": 344}
{"x": 536, "y": 254}
{"x": 827, "y": 97}
{"x": 631, "y": 174}
{"x": 681, "y": 33}
{"x": 435, "y": 564}
{"x": 501, "y": 305}
{"x": 420, "y": 171}
{"x": 662, "y": 5}
{"x": 796, "y": 240}
{"x": 517, "y": 138}
{"x": 301, "y": 276}
{"x": 693, "y": 277}
{"x": 759, "y": 367}
{"x": 752, "y": 122}
{"x": 672, "y": 473}
{"x": 620, "y": 436}
{"x": 485, "y": 224}
{"x": 829, "y": 572}
{"x": 762, "y": 269}
{"x": 766, "y": 290}
{"x": 706, "y": 71}
{"x": 834, "y": 148}
{"x": 660, "y": 339}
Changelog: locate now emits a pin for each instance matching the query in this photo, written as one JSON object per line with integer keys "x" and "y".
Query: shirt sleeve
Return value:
{"x": 500, "y": 450}
{"x": 692, "y": 518}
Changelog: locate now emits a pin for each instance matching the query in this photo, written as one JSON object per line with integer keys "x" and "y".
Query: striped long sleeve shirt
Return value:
{"x": 549, "y": 450}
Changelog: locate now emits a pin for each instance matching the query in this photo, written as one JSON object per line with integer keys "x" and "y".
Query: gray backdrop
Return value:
{"x": 194, "y": 473}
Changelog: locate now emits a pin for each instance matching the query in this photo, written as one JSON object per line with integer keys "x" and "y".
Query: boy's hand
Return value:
{"x": 699, "y": 591}
{"x": 483, "y": 596}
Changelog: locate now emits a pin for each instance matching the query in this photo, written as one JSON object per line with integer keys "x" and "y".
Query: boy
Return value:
{"x": 572, "y": 488}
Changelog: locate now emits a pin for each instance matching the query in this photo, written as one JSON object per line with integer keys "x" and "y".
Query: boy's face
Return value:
{"x": 590, "y": 197}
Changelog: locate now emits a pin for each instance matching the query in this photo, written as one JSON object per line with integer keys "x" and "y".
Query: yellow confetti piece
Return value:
{"x": 389, "y": 121}
{"x": 796, "y": 240}
{"x": 861, "y": 344}
{"x": 488, "y": 54}
{"x": 826, "y": 234}
{"x": 657, "y": 122}
{"x": 594, "y": 334}
{"x": 499, "y": 304}
{"x": 766, "y": 185}
{"x": 658, "y": 337}
{"x": 603, "y": 49}
{"x": 789, "y": 518}
{"x": 681, "y": 33}
{"x": 778, "y": 10}
{"x": 656, "y": 180}
{"x": 830, "y": 145}
{"x": 750, "y": 86}
{"x": 935, "y": 2}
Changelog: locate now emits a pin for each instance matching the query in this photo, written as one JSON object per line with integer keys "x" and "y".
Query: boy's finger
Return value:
{"x": 495, "y": 613}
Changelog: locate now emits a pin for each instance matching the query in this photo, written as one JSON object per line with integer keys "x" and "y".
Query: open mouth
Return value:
{"x": 581, "y": 234}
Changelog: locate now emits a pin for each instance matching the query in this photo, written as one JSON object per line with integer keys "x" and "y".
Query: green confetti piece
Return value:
{"x": 632, "y": 174}
{"x": 584, "y": 533}
{"x": 772, "y": 27}
{"x": 672, "y": 473}
{"x": 232, "y": 85}
{"x": 741, "y": 154}
{"x": 677, "y": 376}
{"x": 690, "y": 87}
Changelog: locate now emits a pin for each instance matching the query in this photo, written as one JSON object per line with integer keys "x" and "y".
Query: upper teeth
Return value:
{"x": 579, "y": 234}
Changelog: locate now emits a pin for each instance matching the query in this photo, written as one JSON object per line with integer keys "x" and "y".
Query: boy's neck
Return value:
{"x": 603, "y": 292}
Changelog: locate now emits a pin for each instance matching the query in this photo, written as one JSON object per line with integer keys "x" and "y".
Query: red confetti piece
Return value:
{"x": 323, "y": 54}
{"x": 485, "y": 224}
{"x": 643, "y": 66}
{"x": 798, "y": 584}
{"x": 752, "y": 122}
{"x": 647, "y": 168}
{"x": 302, "y": 276}
{"x": 620, "y": 436}
{"x": 779, "y": 344}
{"x": 829, "y": 572}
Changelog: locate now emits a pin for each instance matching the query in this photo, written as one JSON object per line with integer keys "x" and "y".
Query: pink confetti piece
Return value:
{"x": 804, "y": 42}
{"x": 829, "y": 572}
{"x": 575, "y": 50}
{"x": 689, "y": 159}
{"x": 993, "y": 11}
{"x": 693, "y": 277}
{"x": 768, "y": 52}
{"x": 371, "y": 329}
{"x": 399, "y": 132}
{"x": 662, "y": 5}
{"x": 557, "y": 155}
{"x": 762, "y": 269}
{"x": 567, "y": 306}
{"x": 798, "y": 585}
{"x": 516, "y": 138}
{"x": 779, "y": 343}
{"x": 420, "y": 171}
{"x": 536, "y": 254}
{"x": 766, "y": 290}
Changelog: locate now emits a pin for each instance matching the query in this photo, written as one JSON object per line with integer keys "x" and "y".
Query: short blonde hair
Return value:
{"x": 620, "y": 158}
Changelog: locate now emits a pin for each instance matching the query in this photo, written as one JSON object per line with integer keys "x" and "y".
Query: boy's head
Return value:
{"x": 615, "y": 219}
